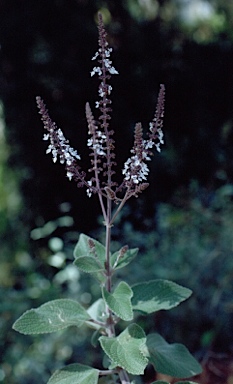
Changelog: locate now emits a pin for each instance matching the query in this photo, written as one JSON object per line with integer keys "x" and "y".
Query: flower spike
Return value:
{"x": 100, "y": 142}
{"x": 59, "y": 145}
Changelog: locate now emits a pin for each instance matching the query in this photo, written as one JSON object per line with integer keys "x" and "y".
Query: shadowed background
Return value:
{"x": 182, "y": 223}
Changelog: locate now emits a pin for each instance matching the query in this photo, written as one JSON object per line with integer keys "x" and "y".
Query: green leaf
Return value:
{"x": 171, "y": 359}
{"x": 152, "y": 296}
{"x": 97, "y": 311}
{"x": 84, "y": 248}
{"x": 88, "y": 264}
{"x": 75, "y": 374}
{"x": 177, "y": 382}
{"x": 90, "y": 257}
{"x": 186, "y": 382}
{"x": 128, "y": 256}
{"x": 127, "y": 349}
{"x": 160, "y": 382}
{"x": 51, "y": 317}
{"x": 120, "y": 301}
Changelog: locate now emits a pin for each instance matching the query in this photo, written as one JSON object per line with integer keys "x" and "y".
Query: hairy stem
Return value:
{"x": 119, "y": 207}
{"x": 124, "y": 378}
{"x": 108, "y": 286}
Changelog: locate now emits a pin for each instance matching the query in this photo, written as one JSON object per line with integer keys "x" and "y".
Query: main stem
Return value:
{"x": 123, "y": 375}
{"x": 108, "y": 285}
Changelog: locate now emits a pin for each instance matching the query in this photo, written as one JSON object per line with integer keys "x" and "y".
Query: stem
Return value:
{"x": 98, "y": 187}
{"x": 123, "y": 375}
{"x": 107, "y": 372}
{"x": 126, "y": 197}
{"x": 108, "y": 285}
{"x": 107, "y": 244}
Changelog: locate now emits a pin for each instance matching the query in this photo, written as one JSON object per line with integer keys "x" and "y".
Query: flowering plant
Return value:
{"x": 130, "y": 351}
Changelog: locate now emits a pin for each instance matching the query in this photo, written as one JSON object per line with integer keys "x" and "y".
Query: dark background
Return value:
{"x": 182, "y": 222}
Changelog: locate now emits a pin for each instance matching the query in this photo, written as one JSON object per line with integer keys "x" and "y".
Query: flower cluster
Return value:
{"x": 100, "y": 141}
{"x": 135, "y": 169}
{"x": 59, "y": 146}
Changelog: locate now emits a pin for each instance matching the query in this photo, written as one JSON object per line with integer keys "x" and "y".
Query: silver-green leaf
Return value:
{"x": 127, "y": 350}
{"x": 120, "y": 301}
{"x": 87, "y": 246}
{"x": 159, "y": 382}
{"x": 154, "y": 295}
{"x": 75, "y": 374}
{"x": 88, "y": 264}
{"x": 171, "y": 359}
{"x": 97, "y": 311}
{"x": 120, "y": 262}
{"x": 51, "y": 316}
{"x": 177, "y": 382}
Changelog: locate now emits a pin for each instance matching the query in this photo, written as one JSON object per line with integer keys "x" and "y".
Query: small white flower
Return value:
{"x": 69, "y": 175}
{"x": 151, "y": 125}
{"x": 101, "y": 92}
{"x": 158, "y": 147}
{"x": 160, "y": 135}
{"x": 96, "y": 70}
{"x": 89, "y": 192}
{"x": 109, "y": 89}
{"x": 108, "y": 52}
{"x": 46, "y": 136}
{"x": 113, "y": 71}
{"x": 148, "y": 144}
{"x": 95, "y": 56}
{"x": 135, "y": 179}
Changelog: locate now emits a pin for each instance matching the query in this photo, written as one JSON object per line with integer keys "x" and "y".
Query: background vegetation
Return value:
{"x": 183, "y": 223}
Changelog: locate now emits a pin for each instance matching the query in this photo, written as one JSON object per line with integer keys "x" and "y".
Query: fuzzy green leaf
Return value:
{"x": 121, "y": 262}
{"x": 120, "y": 301}
{"x": 186, "y": 382}
{"x": 84, "y": 248}
{"x": 171, "y": 359}
{"x": 177, "y": 382}
{"x": 75, "y": 374}
{"x": 90, "y": 257}
{"x": 152, "y": 296}
{"x": 97, "y": 311}
{"x": 51, "y": 317}
{"x": 160, "y": 382}
{"x": 88, "y": 264}
{"x": 127, "y": 349}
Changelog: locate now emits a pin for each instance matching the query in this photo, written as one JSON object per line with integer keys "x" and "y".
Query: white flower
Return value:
{"x": 109, "y": 89}
{"x": 101, "y": 91}
{"x": 95, "y": 56}
{"x": 160, "y": 135}
{"x": 113, "y": 71}
{"x": 96, "y": 70}
{"x": 151, "y": 126}
{"x": 46, "y": 136}
{"x": 69, "y": 175}
{"x": 108, "y": 52}
{"x": 158, "y": 147}
{"x": 89, "y": 191}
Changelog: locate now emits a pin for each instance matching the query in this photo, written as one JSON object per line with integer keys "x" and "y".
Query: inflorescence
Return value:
{"x": 101, "y": 142}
